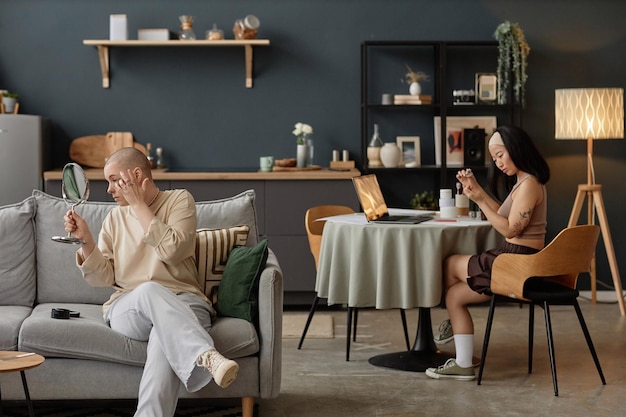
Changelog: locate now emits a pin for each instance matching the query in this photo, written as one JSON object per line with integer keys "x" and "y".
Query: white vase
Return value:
{"x": 301, "y": 156}
{"x": 390, "y": 155}
{"x": 415, "y": 89}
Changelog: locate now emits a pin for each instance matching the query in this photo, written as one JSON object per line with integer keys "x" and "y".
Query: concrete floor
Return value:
{"x": 317, "y": 380}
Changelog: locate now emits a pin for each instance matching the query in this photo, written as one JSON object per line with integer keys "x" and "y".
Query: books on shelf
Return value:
{"x": 412, "y": 100}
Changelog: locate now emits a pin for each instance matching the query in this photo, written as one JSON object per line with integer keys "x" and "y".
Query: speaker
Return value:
{"x": 474, "y": 147}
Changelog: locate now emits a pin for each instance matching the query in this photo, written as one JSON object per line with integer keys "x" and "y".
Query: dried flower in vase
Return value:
{"x": 415, "y": 77}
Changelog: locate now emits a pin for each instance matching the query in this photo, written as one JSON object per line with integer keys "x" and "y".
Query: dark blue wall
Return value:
{"x": 193, "y": 103}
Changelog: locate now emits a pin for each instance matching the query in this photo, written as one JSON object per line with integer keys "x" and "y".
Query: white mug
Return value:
{"x": 266, "y": 163}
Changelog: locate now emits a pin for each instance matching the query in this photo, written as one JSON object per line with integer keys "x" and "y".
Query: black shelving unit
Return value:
{"x": 451, "y": 65}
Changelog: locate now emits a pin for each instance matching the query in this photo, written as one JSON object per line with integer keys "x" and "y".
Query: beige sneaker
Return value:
{"x": 224, "y": 370}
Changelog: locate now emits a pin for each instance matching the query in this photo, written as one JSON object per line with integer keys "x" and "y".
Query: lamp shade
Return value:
{"x": 589, "y": 113}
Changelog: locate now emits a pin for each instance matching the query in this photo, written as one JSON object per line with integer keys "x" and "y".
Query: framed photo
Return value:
{"x": 454, "y": 136}
{"x": 410, "y": 147}
{"x": 486, "y": 88}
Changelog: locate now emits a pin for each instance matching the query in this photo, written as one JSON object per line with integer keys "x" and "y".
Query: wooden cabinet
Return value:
{"x": 286, "y": 203}
{"x": 450, "y": 66}
{"x": 282, "y": 199}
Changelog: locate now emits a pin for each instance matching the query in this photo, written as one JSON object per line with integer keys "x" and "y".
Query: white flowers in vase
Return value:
{"x": 302, "y": 129}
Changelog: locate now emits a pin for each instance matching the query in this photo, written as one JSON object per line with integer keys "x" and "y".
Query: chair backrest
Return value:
{"x": 314, "y": 228}
{"x": 569, "y": 253}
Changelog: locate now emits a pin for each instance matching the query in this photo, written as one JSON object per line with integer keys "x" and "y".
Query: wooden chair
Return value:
{"x": 314, "y": 229}
{"x": 545, "y": 278}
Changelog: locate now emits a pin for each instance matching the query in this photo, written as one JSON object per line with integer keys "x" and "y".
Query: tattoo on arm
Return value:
{"x": 524, "y": 219}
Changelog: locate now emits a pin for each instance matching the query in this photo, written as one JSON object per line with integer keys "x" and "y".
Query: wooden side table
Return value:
{"x": 12, "y": 361}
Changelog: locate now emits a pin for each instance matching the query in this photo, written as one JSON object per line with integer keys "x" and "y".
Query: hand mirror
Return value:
{"x": 75, "y": 187}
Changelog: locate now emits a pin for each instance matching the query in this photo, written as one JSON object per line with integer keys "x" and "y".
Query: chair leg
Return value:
{"x": 351, "y": 312}
{"x": 406, "y": 332}
{"x": 546, "y": 312}
{"x": 355, "y": 323}
{"x": 483, "y": 355}
{"x": 531, "y": 335}
{"x": 589, "y": 342}
{"x": 308, "y": 321}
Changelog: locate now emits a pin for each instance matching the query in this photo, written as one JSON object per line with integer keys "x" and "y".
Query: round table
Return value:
{"x": 14, "y": 361}
{"x": 396, "y": 266}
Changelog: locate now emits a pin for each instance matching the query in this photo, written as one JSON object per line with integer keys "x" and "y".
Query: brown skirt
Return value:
{"x": 479, "y": 266}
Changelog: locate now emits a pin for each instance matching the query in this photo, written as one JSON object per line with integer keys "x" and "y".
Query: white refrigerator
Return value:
{"x": 24, "y": 155}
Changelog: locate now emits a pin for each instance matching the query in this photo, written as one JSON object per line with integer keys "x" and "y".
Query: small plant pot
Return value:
{"x": 9, "y": 104}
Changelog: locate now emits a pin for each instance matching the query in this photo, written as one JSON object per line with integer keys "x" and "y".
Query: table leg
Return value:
{"x": 424, "y": 353}
{"x": 26, "y": 393}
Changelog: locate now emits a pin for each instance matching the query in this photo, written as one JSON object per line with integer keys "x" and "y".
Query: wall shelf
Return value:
{"x": 104, "y": 45}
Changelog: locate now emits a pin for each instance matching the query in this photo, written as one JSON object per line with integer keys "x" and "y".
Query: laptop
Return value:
{"x": 373, "y": 203}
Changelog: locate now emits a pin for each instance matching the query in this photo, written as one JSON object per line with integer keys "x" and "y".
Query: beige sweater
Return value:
{"x": 127, "y": 257}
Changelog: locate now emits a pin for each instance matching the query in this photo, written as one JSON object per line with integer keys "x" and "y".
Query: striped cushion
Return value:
{"x": 212, "y": 249}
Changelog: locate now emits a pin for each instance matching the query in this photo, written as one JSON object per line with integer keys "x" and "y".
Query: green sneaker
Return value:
{"x": 450, "y": 370}
{"x": 445, "y": 333}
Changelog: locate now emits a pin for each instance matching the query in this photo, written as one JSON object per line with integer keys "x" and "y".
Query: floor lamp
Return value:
{"x": 592, "y": 113}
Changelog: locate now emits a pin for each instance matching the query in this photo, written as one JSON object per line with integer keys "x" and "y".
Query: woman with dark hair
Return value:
{"x": 520, "y": 218}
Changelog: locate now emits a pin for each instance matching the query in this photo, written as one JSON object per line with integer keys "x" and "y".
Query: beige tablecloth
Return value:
{"x": 393, "y": 266}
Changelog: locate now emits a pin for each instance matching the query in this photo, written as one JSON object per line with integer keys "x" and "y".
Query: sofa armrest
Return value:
{"x": 270, "y": 327}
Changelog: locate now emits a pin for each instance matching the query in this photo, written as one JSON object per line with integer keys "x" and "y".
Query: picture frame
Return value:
{"x": 454, "y": 136}
{"x": 486, "y": 88}
{"x": 410, "y": 150}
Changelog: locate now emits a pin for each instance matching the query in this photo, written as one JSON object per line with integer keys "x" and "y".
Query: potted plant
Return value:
{"x": 9, "y": 102}
{"x": 424, "y": 201}
{"x": 513, "y": 53}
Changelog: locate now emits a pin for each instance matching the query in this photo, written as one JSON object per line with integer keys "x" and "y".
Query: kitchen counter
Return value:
{"x": 243, "y": 174}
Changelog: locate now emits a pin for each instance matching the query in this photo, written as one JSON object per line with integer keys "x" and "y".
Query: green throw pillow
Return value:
{"x": 238, "y": 293}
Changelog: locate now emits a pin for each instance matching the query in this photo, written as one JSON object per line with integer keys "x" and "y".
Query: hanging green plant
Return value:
{"x": 513, "y": 53}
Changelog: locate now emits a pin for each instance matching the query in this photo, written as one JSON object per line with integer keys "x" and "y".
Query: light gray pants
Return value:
{"x": 176, "y": 329}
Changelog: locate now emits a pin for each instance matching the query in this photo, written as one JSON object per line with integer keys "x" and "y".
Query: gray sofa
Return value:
{"x": 84, "y": 358}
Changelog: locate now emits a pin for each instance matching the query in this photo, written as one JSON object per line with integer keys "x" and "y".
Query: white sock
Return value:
{"x": 464, "y": 345}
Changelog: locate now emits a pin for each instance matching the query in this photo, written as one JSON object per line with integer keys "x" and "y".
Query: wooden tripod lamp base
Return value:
{"x": 592, "y": 113}
{"x": 593, "y": 192}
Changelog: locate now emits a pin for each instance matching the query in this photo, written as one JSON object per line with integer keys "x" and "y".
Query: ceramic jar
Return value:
{"x": 373, "y": 156}
{"x": 390, "y": 155}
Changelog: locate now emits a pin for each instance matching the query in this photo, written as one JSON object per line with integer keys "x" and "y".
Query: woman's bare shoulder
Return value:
{"x": 531, "y": 187}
